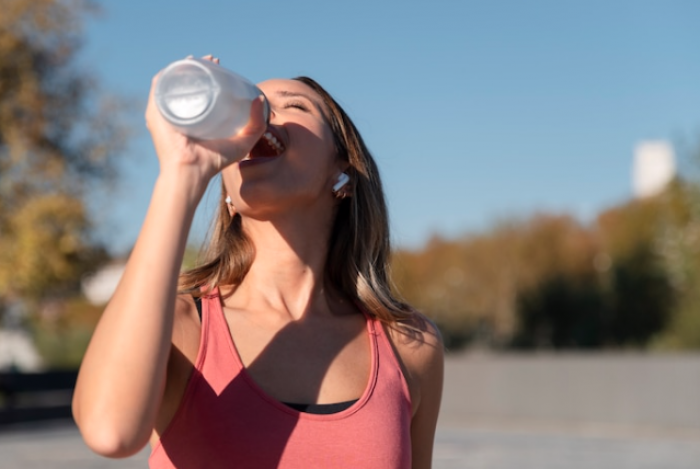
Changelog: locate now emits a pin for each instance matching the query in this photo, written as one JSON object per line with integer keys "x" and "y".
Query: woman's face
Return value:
{"x": 295, "y": 164}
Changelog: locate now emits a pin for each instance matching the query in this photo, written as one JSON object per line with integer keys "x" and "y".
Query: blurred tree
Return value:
{"x": 679, "y": 247}
{"x": 559, "y": 303}
{"x": 561, "y": 313}
{"x": 193, "y": 256}
{"x": 439, "y": 281}
{"x": 471, "y": 286}
{"x": 546, "y": 282}
{"x": 62, "y": 333}
{"x": 57, "y": 141}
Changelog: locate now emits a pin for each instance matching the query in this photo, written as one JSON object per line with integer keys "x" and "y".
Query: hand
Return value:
{"x": 205, "y": 157}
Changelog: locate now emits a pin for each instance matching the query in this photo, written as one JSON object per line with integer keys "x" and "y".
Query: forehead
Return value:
{"x": 290, "y": 88}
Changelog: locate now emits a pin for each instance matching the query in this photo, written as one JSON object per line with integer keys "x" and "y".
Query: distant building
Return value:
{"x": 99, "y": 288}
{"x": 654, "y": 168}
{"x": 17, "y": 352}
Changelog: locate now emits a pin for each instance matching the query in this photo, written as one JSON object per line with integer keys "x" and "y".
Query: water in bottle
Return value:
{"x": 204, "y": 100}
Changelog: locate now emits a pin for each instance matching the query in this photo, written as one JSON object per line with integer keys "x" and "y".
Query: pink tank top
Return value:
{"x": 226, "y": 421}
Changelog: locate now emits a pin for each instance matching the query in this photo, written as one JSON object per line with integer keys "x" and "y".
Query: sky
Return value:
{"x": 476, "y": 111}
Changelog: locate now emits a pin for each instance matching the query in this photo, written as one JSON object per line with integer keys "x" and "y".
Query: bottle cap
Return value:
{"x": 186, "y": 91}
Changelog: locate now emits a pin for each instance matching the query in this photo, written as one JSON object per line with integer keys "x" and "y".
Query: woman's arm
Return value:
{"x": 421, "y": 353}
{"x": 123, "y": 374}
{"x": 428, "y": 370}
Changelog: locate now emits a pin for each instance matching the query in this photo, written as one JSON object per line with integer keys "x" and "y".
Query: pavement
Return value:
{"x": 484, "y": 445}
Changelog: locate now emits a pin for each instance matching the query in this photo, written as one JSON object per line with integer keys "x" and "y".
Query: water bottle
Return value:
{"x": 204, "y": 100}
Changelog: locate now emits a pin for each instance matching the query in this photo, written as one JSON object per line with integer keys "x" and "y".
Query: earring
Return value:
{"x": 229, "y": 206}
{"x": 342, "y": 180}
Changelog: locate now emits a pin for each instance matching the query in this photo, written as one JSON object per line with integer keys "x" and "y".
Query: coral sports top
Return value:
{"x": 226, "y": 421}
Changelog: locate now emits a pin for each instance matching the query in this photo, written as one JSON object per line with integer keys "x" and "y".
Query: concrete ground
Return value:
{"x": 482, "y": 446}
{"x": 538, "y": 411}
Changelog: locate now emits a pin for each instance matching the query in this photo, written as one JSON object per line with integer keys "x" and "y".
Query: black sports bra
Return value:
{"x": 306, "y": 408}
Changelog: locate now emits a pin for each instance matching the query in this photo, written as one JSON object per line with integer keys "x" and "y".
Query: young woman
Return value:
{"x": 288, "y": 347}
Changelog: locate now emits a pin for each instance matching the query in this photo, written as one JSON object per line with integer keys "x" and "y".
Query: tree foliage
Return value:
{"x": 58, "y": 138}
{"x": 679, "y": 245}
{"x": 548, "y": 281}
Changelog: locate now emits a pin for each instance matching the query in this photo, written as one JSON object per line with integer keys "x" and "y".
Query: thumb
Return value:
{"x": 258, "y": 119}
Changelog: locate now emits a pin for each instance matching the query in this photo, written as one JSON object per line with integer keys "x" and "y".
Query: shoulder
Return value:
{"x": 186, "y": 326}
{"x": 420, "y": 350}
{"x": 185, "y": 309}
{"x": 418, "y": 341}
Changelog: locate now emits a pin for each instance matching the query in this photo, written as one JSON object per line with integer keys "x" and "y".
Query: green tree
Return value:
{"x": 59, "y": 136}
{"x": 57, "y": 139}
{"x": 679, "y": 247}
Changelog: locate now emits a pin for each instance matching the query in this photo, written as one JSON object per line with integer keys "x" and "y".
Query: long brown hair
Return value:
{"x": 359, "y": 246}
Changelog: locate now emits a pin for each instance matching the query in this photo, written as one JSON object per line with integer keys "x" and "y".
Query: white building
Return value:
{"x": 100, "y": 287}
{"x": 654, "y": 168}
{"x": 17, "y": 351}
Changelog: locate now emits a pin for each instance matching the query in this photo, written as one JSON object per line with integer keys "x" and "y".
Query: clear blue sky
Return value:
{"x": 475, "y": 110}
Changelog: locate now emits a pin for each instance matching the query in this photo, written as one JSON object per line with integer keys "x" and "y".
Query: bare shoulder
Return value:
{"x": 184, "y": 306}
{"x": 420, "y": 350}
{"x": 418, "y": 342}
{"x": 186, "y": 325}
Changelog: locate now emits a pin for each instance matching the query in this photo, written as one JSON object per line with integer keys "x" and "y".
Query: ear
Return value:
{"x": 343, "y": 179}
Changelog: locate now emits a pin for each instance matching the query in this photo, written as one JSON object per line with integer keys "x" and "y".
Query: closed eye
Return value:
{"x": 296, "y": 104}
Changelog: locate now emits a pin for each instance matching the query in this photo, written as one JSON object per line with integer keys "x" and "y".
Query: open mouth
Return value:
{"x": 270, "y": 144}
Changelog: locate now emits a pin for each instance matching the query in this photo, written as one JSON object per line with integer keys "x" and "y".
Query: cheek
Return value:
{"x": 317, "y": 150}
{"x": 329, "y": 140}
{"x": 322, "y": 133}
{"x": 327, "y": 147}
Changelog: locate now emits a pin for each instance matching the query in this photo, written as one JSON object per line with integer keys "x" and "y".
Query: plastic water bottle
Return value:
{"x": 204, "y": 100}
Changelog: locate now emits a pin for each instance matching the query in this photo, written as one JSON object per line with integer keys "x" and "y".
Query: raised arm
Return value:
{"x": 123, "y": 374}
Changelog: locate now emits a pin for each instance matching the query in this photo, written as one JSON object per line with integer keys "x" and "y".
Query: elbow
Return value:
{"x": 109, "y": 443}
{"x": 107, "y": 439}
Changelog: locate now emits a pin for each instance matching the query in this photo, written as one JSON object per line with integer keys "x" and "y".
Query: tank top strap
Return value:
{"x": 220, "y": 361}
{"x": 376, "y": 330}
{"x": 386, "y": 352}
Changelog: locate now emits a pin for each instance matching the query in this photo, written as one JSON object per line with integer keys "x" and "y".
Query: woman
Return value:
{"x": 287, "y": 349}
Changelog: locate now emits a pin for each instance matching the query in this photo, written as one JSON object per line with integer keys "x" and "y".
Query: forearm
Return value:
{"x": 123, "y": 373}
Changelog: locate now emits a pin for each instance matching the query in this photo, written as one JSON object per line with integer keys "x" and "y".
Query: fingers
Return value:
{"x": 155, "y": 122}
{"x": 257, "y": 122}
{"x": 213, "y": 154}
{"x": 211, "y": 58}
{"x": 152, "y": 113}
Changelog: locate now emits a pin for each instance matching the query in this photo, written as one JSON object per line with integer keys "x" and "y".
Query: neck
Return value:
{"x": 288, "y": 273}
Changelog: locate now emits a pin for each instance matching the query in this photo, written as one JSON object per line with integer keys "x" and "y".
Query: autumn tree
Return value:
{"x": 58, "y": 138}
{"x": 470, "y": 286}
{"x": 547, "y": 281}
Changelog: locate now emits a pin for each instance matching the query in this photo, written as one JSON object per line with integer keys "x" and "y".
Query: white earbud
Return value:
{"x": 342, "y": 180}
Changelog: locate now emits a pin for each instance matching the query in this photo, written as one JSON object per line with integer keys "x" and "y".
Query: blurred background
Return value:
{"x": 542, "y": 165}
